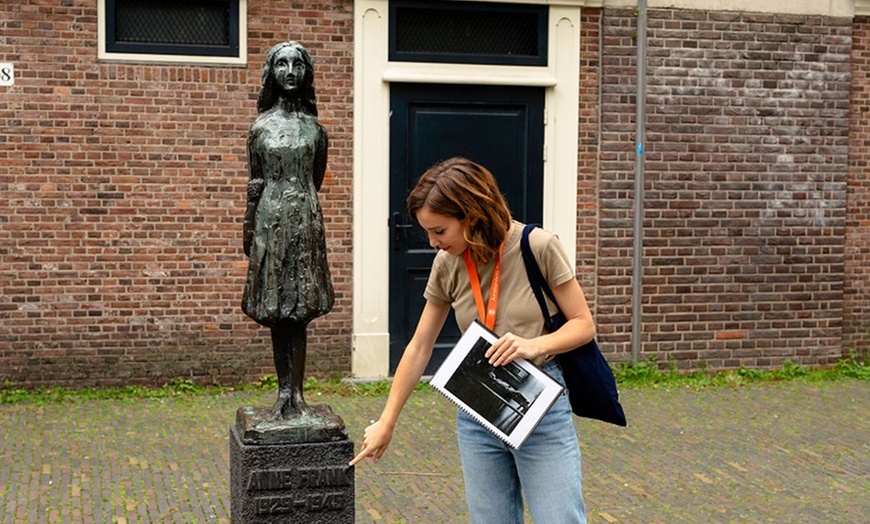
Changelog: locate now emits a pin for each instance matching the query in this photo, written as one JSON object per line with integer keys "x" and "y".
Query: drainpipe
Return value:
{"x": 637, "y": 253}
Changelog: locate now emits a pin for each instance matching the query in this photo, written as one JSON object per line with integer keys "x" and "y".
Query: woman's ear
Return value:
{"x": 469, "y": 228}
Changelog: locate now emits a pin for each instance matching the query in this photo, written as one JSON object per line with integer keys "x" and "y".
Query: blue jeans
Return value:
{"x": 546, "y": 468}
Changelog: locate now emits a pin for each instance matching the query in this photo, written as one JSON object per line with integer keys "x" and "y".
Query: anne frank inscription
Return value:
{"x": 298, "y": 480}
{"x": 302, "y": 483}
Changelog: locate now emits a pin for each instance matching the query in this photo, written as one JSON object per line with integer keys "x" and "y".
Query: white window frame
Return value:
{"x": 240, "y": 59}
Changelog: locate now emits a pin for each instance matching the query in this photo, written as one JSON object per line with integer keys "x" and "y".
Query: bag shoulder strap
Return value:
{"x": 536, "y": 278}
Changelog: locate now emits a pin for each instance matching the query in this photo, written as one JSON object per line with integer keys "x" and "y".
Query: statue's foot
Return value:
{"x": 281, "y": 406}
{"x": 302, "y": 407}
{"x": 290, "y": 405}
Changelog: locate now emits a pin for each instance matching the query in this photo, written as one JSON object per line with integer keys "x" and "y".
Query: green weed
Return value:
{"x": 649, "y": 373}
{"x": 854, "y": 366}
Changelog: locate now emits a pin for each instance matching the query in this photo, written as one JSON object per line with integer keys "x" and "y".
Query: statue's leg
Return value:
{"x": 299, "y": 344}
{"x": 281, "y": 350}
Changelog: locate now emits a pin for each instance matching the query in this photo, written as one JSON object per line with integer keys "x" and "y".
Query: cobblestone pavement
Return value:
{"x": 783, "y": 453}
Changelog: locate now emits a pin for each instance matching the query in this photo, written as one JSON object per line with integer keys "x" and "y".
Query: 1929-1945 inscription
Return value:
{"x": 308, "y": 503}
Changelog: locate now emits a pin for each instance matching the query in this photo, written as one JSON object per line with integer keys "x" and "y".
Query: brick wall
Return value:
{"x": 123, "y": 192}
{"x": 587, "y": 167}
{"x": 746, "y": 164}
{"x": 856, "y": 328}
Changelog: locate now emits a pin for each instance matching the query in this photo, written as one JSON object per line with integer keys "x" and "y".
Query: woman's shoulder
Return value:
{"x": 540, "y": 238}
{"x": 548, "y": 249}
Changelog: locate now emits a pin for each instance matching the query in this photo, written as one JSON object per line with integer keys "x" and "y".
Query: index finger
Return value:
{"x": 365, "y": 452}
{"x": 362, "y": 454}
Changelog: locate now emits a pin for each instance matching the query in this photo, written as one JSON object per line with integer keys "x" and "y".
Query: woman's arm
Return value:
{"x": 414, "y": 360}
{"x": 578, "y": 330}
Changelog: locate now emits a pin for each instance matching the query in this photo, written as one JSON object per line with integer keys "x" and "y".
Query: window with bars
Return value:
{"x": 173, "y": 27}
{"x": 468, "y": 32}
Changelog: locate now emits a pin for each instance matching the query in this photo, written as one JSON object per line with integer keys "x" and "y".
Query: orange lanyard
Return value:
{"x": 488, "y": 316}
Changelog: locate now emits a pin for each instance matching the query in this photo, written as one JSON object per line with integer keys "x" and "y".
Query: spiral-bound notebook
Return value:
{"x": 508, "y": 400}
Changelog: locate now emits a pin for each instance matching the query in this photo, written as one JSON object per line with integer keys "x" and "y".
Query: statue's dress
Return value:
{"x": 288, "y": 276}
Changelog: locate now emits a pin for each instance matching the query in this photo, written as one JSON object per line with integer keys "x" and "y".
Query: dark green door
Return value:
{"x": 499, "y": 127}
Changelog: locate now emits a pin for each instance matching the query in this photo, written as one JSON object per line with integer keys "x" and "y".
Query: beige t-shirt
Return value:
{"x": 518, "y": 311}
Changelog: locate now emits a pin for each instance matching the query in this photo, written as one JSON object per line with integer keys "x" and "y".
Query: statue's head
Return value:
{"x": 268, "y": 90}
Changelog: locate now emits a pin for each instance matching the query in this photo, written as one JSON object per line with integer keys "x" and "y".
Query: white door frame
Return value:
{"x": 373, "y": 74}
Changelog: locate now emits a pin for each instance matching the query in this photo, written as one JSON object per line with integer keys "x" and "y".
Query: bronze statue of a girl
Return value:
{"x": 288, "y": 280}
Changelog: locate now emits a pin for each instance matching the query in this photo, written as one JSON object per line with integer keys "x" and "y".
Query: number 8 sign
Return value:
{"x": 7, "y": 74}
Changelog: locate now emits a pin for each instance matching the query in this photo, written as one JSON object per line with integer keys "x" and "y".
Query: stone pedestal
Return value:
{"x": 277, "y": 476}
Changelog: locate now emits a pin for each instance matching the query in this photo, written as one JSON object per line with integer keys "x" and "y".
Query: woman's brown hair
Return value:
{"x": 467, "y": 191}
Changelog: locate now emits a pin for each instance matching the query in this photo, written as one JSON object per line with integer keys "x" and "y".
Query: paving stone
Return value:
{"x": 772, "y": 453}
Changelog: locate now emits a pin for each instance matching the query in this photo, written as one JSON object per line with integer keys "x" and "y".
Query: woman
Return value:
{"x": 459, "y": 205}
{"x": 288, "y": 282}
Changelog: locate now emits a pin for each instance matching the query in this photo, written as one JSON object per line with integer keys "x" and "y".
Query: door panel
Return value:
{"x": 499, "y": 127}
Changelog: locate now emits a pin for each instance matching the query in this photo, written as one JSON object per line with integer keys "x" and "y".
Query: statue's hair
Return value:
{"x": 467, "y": 191}
{"x": 268, "y": 92}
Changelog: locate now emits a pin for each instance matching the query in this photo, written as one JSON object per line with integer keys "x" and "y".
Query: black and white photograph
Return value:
{"x": 509, "y": 399}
